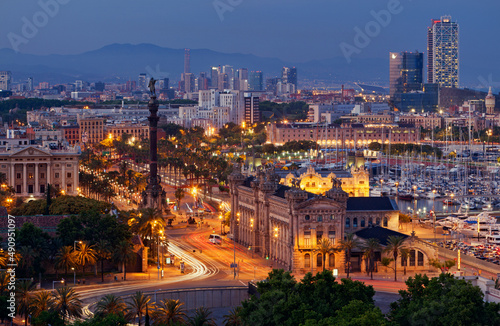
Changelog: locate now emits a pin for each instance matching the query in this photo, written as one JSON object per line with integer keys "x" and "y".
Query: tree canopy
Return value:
{"x": 443, "y": 300}
{"x": 315, "y": 300}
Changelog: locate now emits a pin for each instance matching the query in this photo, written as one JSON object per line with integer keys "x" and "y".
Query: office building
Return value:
{"x": 187, "y": 61}
{"x": 215, "y": 77}
{"x": 252, "y": 112}
{"x": 289, "y": 76}
{"x": 5, "y": 80}
{"x": 255, "y": 81}
{"x": 405, "y": 72}
{"x": 30, "y": 86}
{"x": 142, "y": 83}
{"x": 443, "y": 53}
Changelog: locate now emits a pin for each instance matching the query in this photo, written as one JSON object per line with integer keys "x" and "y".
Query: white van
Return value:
{"x": 215, "y": 239}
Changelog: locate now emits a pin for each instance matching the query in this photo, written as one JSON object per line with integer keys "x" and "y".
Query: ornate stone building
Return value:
{"x": 29, "y": 170}
{"x": 286, "y": 223}
{"x": 317, "y": 181}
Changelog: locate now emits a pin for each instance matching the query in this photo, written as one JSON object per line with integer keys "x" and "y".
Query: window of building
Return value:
{"x": 332, "y": 217}
{"x": 18, "y": 189}
{"x": 307, "y": 261}
{"x": 347, "y": 222}
{"x": 307, "y": 217}
{"x": 362, "y": 222}
{"x": 18, "y": 175}
{"x": 331, "y": 260}
{"x": 378, "y": 222}
{"x": 320, "y": 218}
{"x": 420, "y": 260}
{"x": 30, "y": 189}
{"x": 42, "y": 189}
{"x": 57, "y": 175}
{"x": 331, "y": 236}
{"x": 69, "y": 174}
{"x": 42, "y": 175}
{"x": 319, "y": 235}
{"x": 68, "y": 187}
{"x": 307, "y": 238}
{"x": 412, "y": 257}
{"x": 319, "y": 260}
{"x": 57, "y": 186}
{"x": 30, "y": 175}
{"x": 355, "y": 222}
{"x": 385, "y": 221}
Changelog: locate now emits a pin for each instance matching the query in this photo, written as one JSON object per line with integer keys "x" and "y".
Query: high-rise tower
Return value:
{"x": 490, "y": 103}
{"x": 443, "y": 53}
{"x": 187, "y": 61}
{"x": 405, "y": 72}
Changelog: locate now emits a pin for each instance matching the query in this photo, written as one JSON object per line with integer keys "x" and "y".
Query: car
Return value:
{"x": 215, "y": 239}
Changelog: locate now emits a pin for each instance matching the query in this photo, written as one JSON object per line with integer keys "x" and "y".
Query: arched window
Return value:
{"x": 378, "y": 221}
{"x": 420, "y": 260}
{"x": 355, "y": 222}
{"x": 307, "y": 261}
{"x": 320, "y": 218}
{"x": 331, "y": 260}
{"x": 385, "y": 221}
{"x": 362, "y": 222}
{"x": 347, "y": 222}
{"x": 307, "y": 217}
{"x": 319, "y": 260}
{"x": 370, "y": 222}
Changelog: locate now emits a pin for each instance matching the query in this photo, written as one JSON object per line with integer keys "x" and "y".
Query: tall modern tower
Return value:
{"x": 289, "y": 76}
{"x": 443, "y": 52}
{"x": 255, "y": 81}
{"x": 187, "y": 61}
{"x": 405, "y": 72}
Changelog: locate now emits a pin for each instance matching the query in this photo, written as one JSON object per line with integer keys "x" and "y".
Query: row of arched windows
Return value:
{"x": 363, "y": 222}
{"x": 319, "y": 260}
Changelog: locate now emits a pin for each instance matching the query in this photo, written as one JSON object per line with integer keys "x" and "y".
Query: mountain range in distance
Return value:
{"x": 123, "y": 62}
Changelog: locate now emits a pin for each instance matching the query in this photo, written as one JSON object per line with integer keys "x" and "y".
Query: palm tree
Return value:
{"x": 405, "y": 254}
{"x": 41, "y": 301}
{"x": 325, "y": 246}
{"x": 23, "y": 299}
{"x": 85, "y": 254}
{"x": 103, "y": 253}
{"x": 168, "y": 312}
{"x": 65, "y": 258}
{"x": 4, "y": 282}
{"x": 110, "y": 304}
{"x": 348, "y": 244}
{"x": 179, "y": 194}
{"x": 67, "y": 303}
{"x": 137, "y": 306}
{"x": 233, "y": 318}
{"x": 123, "y": 254}
{"x": 202, "y": 317}
{"x": 394, "y": 245}
{"x": 371, "y": 246}
{"x": 149, "y": 225}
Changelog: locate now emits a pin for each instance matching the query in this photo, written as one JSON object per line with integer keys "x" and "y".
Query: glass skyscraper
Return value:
{"x": 405, "y": 72}
{"x": 442, "y": 53}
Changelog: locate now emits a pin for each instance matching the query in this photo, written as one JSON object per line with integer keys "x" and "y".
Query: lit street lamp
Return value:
{"x": 276, "y": 242}
{"x": 75, "y": 242}
{"x": 54, "y": 282}
{"x": 220, "y": 218}
{"x": 74, "y": 275}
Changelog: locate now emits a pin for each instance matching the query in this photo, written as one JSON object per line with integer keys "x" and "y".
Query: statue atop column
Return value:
{"x": 151, "y": 86}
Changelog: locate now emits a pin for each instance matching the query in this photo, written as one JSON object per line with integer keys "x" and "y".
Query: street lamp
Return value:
{"x": 414, "y": 206}
{"x": 74, "y": 275}
{"x": 220, "y": 218}
{"x": 54, "y": 282}
{"x": 234, "y": 245}
{"x": 75, "y": 242}
{"x": 397, "y": 192}
{"x": 434, "y": 212}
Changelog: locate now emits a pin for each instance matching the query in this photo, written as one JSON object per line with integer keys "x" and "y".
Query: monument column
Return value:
{"x": 48, "y": 173}
{"x": 12, "y": 174}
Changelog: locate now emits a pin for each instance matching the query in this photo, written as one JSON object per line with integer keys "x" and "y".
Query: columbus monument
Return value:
{"x": 153, "y": 196}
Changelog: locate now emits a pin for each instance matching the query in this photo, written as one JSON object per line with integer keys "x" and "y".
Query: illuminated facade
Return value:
{"x": 347, "y": 136}
{"x": 287, "y": 223}
{"x": 443, "y": 46}
{"x": 355, "y": 183}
